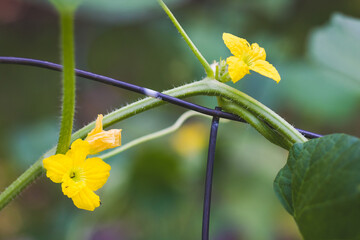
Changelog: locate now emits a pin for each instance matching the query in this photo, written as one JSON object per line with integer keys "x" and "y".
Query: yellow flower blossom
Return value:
{"x": 247, "y": 57}
{"x": 79, "y": 176}
{"x": 101, "y": 140}
{"x": 190, "y": 139}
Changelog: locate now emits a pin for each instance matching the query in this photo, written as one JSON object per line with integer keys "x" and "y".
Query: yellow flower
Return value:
{"x": 247, "y": 57}
{"x": 79, "y": 176}
{"x": 101, "y": 140}
{"x": 190, "y": 139}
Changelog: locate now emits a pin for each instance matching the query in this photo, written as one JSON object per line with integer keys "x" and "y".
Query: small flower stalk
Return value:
{"x": 79, "y": 175}
{"x": 247, "y": 57}
{"x": 221, "y": 71}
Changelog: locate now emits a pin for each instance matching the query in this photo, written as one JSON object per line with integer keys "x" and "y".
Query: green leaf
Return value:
{"x": 320, "y": 187}
{"x": 282, "y": 187}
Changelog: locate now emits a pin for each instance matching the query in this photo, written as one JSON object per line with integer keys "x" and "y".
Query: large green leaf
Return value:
{"x": 282, "y": 186}
{"x": 320, "y": 187}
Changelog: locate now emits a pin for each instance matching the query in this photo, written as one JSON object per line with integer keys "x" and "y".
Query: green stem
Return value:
{"x": 68, "y": 107}
{"x": 269, "y": 133}
{"x": 247, "y": 107}
{"x": 208, "y": 87}
{"x": 21, "y": 183}
{"x": 259, "y": 110}
{"x": 200, "y": 57}
{"x": 140, "y": 106}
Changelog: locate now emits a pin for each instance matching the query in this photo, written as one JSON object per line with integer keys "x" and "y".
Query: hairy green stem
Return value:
{"x": 68, "y": 108}
{"x": 269, "y": 133}
{"x": 20, "y": 183}
{"x": 208, "y": 87}
{"x": 68, "y": 102}
{"x": 256, "y": 108}
{"x": 246, "y": 107}
{"x": 200, "y": 57}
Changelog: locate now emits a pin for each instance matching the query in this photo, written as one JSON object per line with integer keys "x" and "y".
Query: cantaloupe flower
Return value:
{"x": 247, "y": 57}
{"x": 190, "y": 139}
{"x": 81, "y": 176}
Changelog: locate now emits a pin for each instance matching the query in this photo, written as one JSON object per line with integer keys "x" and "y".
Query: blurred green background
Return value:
{"x": 155, "y": 190}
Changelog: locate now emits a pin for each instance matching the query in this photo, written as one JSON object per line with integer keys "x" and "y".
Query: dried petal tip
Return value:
{"x": 101, "y": 140}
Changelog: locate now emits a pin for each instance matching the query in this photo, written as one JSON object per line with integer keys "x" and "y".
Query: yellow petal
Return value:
{"x": 237, "y": 68}
{"x": 70, "y": 187}
{"x": 104, "y": 140}
{"x": 86, "y": 199}
{"x": 96, "y": 173}
{"x": 98, "y": 125}
{"x": 236, "y": 45}
{"x": 101, "y": 140}
{"x": 266, "y": 69}
{"x": 57, "y": 166}
{"x": 257, "y": 52}
{"x": 78, "y": 152}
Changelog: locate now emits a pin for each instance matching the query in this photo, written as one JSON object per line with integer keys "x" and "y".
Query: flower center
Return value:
{"x": 247, "y": 58}
{"x": 76, "y": 174}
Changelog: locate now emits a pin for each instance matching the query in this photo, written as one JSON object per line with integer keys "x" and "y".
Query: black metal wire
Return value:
{"x": 135, "y": 88}
{"x": 209, "y": 177}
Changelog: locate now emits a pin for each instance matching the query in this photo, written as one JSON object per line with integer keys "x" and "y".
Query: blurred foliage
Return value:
{"x": 154, "y": 191}
{"x": 329, "y": 76}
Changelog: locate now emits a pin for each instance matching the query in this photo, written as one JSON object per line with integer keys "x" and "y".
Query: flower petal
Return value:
{"x": 237, "y": 68}
{"x": 104, "y": 140}
{"x": 57, "y": 166}
{"x": 96, "y": 173}
{"x": 235, "y": 44}
{"x": 101, "y": 140}
{"x": 257, "y": 52}
{"x": 86, "y": 199}
{"x": 98, "y": 125}
{"x": 78, "y": 152}
{"x": 266, "y": 69}
{"x": 70, "y": 188}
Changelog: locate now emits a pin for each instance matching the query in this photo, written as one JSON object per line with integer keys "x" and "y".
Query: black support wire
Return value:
{"x": 135, "y": 88}
{"x": 209, "y": 176}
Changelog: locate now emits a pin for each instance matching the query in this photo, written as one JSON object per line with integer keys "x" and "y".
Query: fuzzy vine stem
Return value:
{"x": 68, "y": 101}
{"x": 206, "y": 86}
{"x": 200, "y": 57}
{"x": 20, "y": 183}
{"x": 68, "y": 107}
